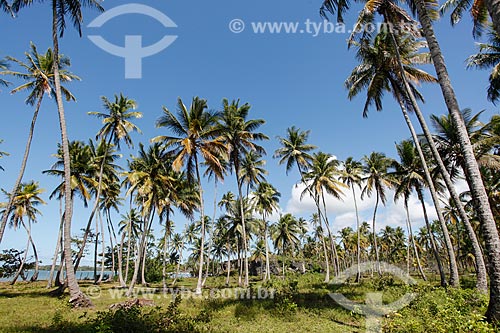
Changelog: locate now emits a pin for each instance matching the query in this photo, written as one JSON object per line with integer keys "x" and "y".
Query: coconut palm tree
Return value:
{"x": 376, "y": 180}
{"x": 38, "y": 74}
{"x": 194, "y": 135}
{"x": 266, "y": 200}
{"x": 351, "y": 175}
{"x": 386, "y": 67}
{"x": 408, "y": 177}
{"x": 425, "y": 15}
{"x": 320, "y": 178}
{"x": 61, "y": 11}
{"x": 24, "y": 205}
{"x": 239, "y": 135}
{"x": 252, "y": 170}
{"x": 129, "y": 227}
{"x": 285, "y": 233}
{"x": 177, "y": 247}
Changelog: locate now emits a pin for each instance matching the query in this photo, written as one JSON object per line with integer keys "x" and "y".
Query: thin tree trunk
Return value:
{"x": 199, "y": 284}
{"x": 479, "y": 195}
{"x": 267, "y": 276}
{"x": 103, "y": 249}
{"x": 330, "y": 235}
{"x": 77, "y": 297}
{"x": 164, "y": 268}
{"x": 21, "y": 266}
{"x": 412, "y": 239}
{"x": 120, "y": 263}
{"x": 374, "y": 232}
{"x": 19, "y": 179}
{"x": 433, "y": 241}
{"x": 35, "y": 253}
{"x": 56, "y": 254}
{"x": 127, "y": 261}
{"x": 454, "y": 278}
{"x": 112, "y": 235}
{"x": 95, "y": 249}
{"x": 211, "y": 232}
{"x": 327, "y": 275}
{"x": 243, "y": 224}
{"x": 358, "y": 254}
{"x": 228, "y": 263}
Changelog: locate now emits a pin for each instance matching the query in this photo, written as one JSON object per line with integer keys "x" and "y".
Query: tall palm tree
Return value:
{"x": 61, "y": 10}
{"x": 386, "y": 67}
{"x": 24, "y": 205}
{"x": 320, "y": 178}
{"x": 239, "y": 135}
{"x": 177, "y": 247}
{"x": 492, "y": 240}
{"x": 285, "y": 235}
{"x": 194, "y": 135}
{"x": 351, "y": 175}
{"x": 252, "y": 170}
{"x": 408, "y": 177}
{"x": 38, "y": 72}
{"x": 266, "y": 200}
{"x": 129, "y": 228}
{"x": 377, "y": 180}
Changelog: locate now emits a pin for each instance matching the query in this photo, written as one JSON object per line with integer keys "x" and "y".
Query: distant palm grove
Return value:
{"x": 213, "y": 148}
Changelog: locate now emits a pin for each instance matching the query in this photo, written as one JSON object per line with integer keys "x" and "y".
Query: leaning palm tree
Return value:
{"x": 266, "y": 200}
{"x": 194, "y": 135}
{"x": 38, "y": 72}
{"x": 351, "y": 175}
{"x": 385, "y": 67}
{"x": 285, "y": 235}
{"x": 24, "y": 204}
{"x": 239, "y": 135}
{"x": 425, "y": 15}
{"x": 377, "y": 180}
{"x": 61, "y": 10}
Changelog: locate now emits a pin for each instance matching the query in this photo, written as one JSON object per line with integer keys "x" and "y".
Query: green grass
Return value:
{"x": 301, "y": 303}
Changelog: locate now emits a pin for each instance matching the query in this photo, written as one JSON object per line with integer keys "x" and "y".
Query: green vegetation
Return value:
{"x": 300, "y": 302}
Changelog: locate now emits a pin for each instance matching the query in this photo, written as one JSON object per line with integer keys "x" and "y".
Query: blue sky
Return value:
{"x": 289, "y": 79}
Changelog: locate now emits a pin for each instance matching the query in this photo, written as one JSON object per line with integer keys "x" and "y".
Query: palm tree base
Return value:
{"x": 80, "y": 301}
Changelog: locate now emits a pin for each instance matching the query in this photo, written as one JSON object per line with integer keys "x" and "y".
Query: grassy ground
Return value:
{"x": 299, "y": 304}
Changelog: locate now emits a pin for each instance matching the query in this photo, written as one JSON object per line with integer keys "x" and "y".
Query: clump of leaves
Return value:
{"x": 154, "y": 320}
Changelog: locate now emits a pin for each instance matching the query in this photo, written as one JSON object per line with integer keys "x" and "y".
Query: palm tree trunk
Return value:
{"x": 454, "y": 278}
{"x": 21, "y": 266}
{"x": 479, "y": 195}
{"x": 481, "y": 283}
{"x": 103, "y": 249}
{"x": 412, "y": 240}
{"x": 243, "y": 224}
{"x": 120, "y": 263}
{"x": 140, "y": 251}
{"x": 127, "y": 261}
{"x": 199, "y": 284}
{"x": 330, "y": 235}
{"x": 267, "y": 276}
{"x": 358, "y": 254}
{"x": 35, "y": 253}
{"x": 325, "y": 251}
{"x": 56, "y": 253}
{"x": 374, "y": 232}
{"x": 432, "y": 239}
{"x": 211, "y": 232}
{"x": 283, "y": 258}
{"x": 165, "y": 236}
{"x": 228, "y": 263}
{"x": 95, "y": 250}
{"x": 178, "y": 268}
{"x": 77, "y": 297}
{"x": 19, "y": 179}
